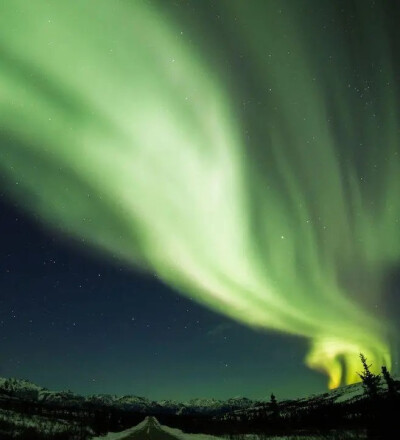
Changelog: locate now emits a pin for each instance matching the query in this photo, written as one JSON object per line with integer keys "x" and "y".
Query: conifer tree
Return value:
{"x": 274, "y": 405}
{"x": 389, "y": 381}
{"x": 370, "y": 380}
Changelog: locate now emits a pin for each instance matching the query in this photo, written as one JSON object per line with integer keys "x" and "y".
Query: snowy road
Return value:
{"x": 152, "y": 430}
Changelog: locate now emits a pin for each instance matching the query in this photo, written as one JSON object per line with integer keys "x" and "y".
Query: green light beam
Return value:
{"x": 114, "y": 130}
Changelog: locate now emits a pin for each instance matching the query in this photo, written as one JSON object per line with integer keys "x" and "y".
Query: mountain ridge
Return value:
{"x": 25, "y": 390}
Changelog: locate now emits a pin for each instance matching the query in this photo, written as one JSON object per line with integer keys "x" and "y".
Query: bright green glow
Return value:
{"x": 115, "y": 131}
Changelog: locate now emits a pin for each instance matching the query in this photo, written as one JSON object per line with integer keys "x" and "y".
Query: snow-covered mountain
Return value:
{"x": 23, "y": 390}
{"x": 344, "y": 395}
{"x": 19, "y": 388}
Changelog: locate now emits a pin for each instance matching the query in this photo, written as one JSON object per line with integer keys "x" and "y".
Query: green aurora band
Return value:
{"x": 119, "y": 129}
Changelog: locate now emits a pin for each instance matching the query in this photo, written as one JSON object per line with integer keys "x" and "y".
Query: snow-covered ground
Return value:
{"x": 151, "y": 425}
{"x": 16, "y": 424}
{"x": 151, "y": 428}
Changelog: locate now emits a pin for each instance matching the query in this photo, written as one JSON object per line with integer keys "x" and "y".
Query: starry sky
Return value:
{"x": 72, "y": 320}
{"x": 199, "y": 198}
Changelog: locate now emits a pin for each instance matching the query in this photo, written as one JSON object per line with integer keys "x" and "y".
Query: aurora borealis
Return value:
{"x": 251, "y": 161}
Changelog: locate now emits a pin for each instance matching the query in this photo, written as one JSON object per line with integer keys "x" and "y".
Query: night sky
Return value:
{"x": 199, "y": 199}
{"x": 71, "y": 320}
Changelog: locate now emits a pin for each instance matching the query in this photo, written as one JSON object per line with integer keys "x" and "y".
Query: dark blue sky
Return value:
{"x": 71, "y": 319}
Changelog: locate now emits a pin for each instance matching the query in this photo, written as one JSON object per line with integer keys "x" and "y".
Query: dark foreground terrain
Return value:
{"x": 28, "y": 411}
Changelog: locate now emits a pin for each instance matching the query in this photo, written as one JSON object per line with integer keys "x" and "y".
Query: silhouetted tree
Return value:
{"x": 274, "y": 407}
{"x": 370, "y": 380}
{"x": 389, "y": 381}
